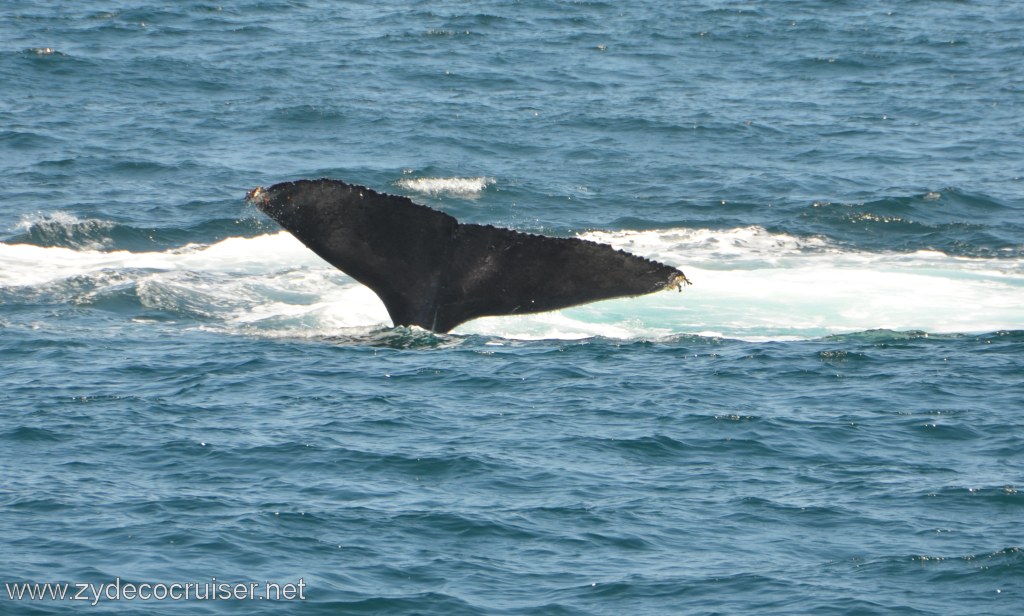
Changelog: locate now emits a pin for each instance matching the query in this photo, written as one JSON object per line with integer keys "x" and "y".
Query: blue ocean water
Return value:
{"x": 827, "y": 421}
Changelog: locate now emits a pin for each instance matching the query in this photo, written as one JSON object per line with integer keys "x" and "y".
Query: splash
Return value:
{"x": 62, "y": 228}
{"x": 456, "y": 187}
{"x": 749, "y": 284}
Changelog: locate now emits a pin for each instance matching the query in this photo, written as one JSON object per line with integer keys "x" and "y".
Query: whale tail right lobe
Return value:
{"x": 495, "y": 271}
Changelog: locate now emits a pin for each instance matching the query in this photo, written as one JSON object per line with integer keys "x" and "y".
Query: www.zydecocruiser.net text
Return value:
{"x": 119, "y": 590}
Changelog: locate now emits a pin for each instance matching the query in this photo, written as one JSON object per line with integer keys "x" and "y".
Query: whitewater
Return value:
{"x": 750, "y": 284}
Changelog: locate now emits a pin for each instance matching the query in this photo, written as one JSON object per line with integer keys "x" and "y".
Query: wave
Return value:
{"x": 44, "y": 51}
{"x": 749, "y": 284}
{"x": 950, "y": 220}
{"x": 66, "y": 230}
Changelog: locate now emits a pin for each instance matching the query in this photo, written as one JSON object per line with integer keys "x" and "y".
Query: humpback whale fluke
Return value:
{"x": 432, "y": 271}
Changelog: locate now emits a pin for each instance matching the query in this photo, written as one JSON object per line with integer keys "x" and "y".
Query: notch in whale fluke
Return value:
{"x": 432, "y": 271}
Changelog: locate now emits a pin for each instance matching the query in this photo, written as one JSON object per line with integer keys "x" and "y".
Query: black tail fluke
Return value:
{"x": 434, "y": 272}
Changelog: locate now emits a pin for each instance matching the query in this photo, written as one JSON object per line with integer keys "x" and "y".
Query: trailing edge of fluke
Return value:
{"x": 432, "y": 271}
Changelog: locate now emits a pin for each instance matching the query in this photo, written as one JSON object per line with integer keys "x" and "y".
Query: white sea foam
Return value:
{"x": 457, "y": 187}
{"x": 748, "y": 284}
{"x": 752, "y": 246}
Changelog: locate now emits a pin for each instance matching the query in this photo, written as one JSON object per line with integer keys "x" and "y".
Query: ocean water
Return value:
{"x": 829, "y": 421}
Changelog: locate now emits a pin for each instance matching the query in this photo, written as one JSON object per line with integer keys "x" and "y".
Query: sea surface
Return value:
{"x": 829, "y": 421}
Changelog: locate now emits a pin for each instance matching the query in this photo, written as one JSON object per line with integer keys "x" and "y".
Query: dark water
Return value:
{"x": 828, "y": 421}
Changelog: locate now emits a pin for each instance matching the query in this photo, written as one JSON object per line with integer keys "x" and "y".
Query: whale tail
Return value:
{"x": 432, "y": 271}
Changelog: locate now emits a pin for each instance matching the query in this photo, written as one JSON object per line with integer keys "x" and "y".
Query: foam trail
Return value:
{"x": 748, "y": 284}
